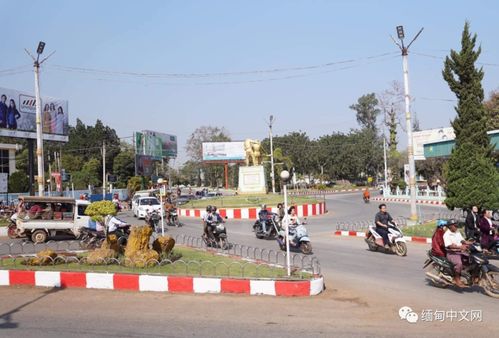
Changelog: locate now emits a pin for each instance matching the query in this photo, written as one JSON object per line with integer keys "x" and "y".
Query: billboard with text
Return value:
{"x": 223, "y": 151}
{"x": 18, "y": 116}
{"x": 419, "y": 138}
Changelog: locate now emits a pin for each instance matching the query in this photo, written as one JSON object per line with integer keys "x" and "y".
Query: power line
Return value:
{"x": 216, "y": 74}
{"x": 443, "y": 58}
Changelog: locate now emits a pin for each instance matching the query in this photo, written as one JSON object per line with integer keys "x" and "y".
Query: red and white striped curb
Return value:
{"x": 172, "y": 284}
{"x": 404, "y": 200}
{"x": 415, "y": 239}
{"x": 303, "y": 210}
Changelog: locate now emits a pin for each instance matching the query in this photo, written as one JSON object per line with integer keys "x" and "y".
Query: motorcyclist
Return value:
{"x": 456, "y": 246}
{"x": 218, "y": 218}
{"x": 366, "y": 194}
{"x": 168, "y": 207}
{"x": 113, "y": 223}
{"x": 382, "y": 220}
{"x": 437, "y": 240}
{"x": 263, "y": 216}
{"x": 208, "y": 220}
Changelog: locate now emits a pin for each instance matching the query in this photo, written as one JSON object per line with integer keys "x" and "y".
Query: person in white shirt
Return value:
{"x": 455, "y": 245}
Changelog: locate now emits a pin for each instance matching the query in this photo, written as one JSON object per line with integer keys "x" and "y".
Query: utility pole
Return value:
{"x": 104, "y": 170}
{"x": 410, "y": 148}
{"x": 385, "y": 186}
{"x": 38, "y": 105}
{"x": 272, "y": 174}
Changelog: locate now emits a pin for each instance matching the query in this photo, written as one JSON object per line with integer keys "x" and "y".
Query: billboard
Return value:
{"x": 223, "y": 151}
{"x": 18, "y": 116}
{"x": 419, "y": 138}
{"x": 155, "y": 145}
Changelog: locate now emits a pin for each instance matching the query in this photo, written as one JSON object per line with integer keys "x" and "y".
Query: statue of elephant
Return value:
{"x": 252, "y": 150}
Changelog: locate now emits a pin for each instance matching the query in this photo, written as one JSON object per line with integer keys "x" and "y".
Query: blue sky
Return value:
{"x": 199, "y": 37}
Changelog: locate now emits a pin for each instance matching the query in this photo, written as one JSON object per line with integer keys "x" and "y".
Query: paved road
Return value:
{"x": 364, "y": 292}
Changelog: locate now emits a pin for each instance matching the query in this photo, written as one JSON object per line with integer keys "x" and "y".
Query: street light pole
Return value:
{"x": 410, "y": 148}
{"x": 285, "y": 178}
{"x": 161, "y": 190}
{"x": 38, "y": 117}
{"x": 39, "y": 130}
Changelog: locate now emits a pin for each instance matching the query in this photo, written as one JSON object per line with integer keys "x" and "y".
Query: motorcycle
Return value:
{"x": 476, "y": 271}
{"x": 396, "y": 241}
{"x": 366, "y": 199}
{"x": 152, "y": 219}
{"x": 173, "y": 217}
{"x": 218, "y": 236}
{"x": 272, "y": 225}
{"x": 298, "y": 238}
{"x": 92, "y": 239}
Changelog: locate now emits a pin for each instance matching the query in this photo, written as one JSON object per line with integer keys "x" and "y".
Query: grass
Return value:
{"x": 422, "y": 230}
{"x": 248, "y": 201}
{"x": 194, "y": 262}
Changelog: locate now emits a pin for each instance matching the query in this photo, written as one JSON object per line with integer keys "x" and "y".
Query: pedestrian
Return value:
{"x": 487, "y": 230}
{"x": 472, "y": 230}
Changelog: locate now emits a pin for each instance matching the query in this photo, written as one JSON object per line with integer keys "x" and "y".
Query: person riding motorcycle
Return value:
{"x": 381, "y": 220}
{"x": 456, "y": 247}
{"x": 437, "y": 240}
{"x": 366, "y": 194}
{"x": 208, "y": 221}
{"x": 113, "y": 223}
{"x": 168, "y": 207}
{"x": 263, "y": 216}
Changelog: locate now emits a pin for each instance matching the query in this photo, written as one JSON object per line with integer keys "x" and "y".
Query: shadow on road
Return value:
{"x": 6, "y": 318}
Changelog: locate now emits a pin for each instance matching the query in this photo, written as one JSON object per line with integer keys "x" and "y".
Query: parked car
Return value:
{"x": 143, "y": 205}
{"x": 183, "y": 199}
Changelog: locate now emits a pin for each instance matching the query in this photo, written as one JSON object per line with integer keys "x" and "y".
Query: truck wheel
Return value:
{"x": 39, "y": 236}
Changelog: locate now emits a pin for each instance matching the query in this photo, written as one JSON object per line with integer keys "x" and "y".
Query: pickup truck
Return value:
{"x": 43, "y": 217}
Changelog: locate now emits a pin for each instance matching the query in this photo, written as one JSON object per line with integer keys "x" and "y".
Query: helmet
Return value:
{"x": 441, "y": 223}
{"x": 451, "y": 221}
{"x": 213, "y": 208}
{"x": 264, "y": 206}
{"x": 209, "y": 208}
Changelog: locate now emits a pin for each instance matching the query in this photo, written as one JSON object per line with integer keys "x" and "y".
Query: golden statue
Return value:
{"x": 252, "y": 150}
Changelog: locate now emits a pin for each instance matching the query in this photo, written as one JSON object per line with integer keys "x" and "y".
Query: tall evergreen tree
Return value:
{"x": 471, "y": 176}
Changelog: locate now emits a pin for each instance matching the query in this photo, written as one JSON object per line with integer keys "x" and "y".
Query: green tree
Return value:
{"x": 471, "y": 176}
{"x": 134, "y": 184}
{"x": 88, "y": 175}
{"x": 124, "y": 166}
{"x": 367, "y": 110}
{"x": 18, "y": 182}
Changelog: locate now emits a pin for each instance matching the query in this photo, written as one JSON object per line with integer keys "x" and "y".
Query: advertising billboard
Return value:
{"x": 223, "y": 151}
{"x": 18, "y": 116}
{"x": 419, "y": 138}
{"x": 155, "y": 144}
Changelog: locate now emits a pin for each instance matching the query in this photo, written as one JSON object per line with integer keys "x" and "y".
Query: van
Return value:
{"x": 45, "y": 217}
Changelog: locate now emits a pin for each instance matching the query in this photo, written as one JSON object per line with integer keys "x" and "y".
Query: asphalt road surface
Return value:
{"x": 365, "y": 291}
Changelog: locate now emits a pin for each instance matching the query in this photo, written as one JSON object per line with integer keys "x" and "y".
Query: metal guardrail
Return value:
{"x": 261, "y": 263}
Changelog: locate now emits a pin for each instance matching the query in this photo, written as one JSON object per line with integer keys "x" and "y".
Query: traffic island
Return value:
{"x": 185, "y": 270}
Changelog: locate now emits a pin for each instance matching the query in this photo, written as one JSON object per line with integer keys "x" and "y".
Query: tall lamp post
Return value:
{"x": 285, "y": 178}
{"x": 161, "y": 191}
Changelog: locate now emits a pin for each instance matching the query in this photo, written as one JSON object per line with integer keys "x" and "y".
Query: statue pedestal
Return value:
{"x": 252, "y": 180}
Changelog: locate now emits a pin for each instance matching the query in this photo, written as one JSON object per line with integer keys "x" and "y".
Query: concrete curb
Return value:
{"x": 157, "y": 283}
{"x": 303, "y": 210}
{"x": 422, "y": 240}
{"x": 404, "y": 200}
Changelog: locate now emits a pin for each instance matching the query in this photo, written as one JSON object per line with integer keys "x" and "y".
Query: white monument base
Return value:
{"x": 252, "y": 180}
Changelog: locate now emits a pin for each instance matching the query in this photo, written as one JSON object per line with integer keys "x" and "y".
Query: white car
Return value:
{"x": 144, "y": 205}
